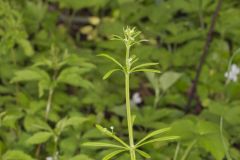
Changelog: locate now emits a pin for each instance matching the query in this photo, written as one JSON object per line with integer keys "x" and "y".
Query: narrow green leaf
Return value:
{"x": 144, "y": 65}
{"x": 154, "y": 133}
{"x": 107, "y": 157}
{"x": 101, "y": 144}
{"x": 112, "y": 59}
{"x": 110, "y": 134}
{"x": 176, "y": 151}
{"x": 186, "y": 153}
{"x": 159, "y": 140}
{"x": 144, "y": 154}
{"x": 109, "y": 73}
{"x": 146, "y": 70}
{"x": 135, "y": 59}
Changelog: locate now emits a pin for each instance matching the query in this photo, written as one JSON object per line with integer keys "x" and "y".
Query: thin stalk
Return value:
{"x": 157, "y": 96}
{"x": 49, "y": 102}
{"x": 50, "y": 93}
{"x": 128, "y": 107}
{"x": 176, "y": 152}
{"x": 14, "y": 60}
{"x": 222, "y": 138}
{"x": 200, "y": 14}
{"x": 55, "y": 151}
{"x": 186, "y": 153}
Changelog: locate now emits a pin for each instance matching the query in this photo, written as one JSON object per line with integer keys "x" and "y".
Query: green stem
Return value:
{"x": 223, "y": 141}
{"x": 128, "y": 106}
{"x": 129, "y": 118}
{"x": 49, "y": 102}
{"x": 157, "y": 97}
{"x": 14, "y": 60}
{"x": 55, "y": 151}
{"x": 176, "y": 151}
{"x": 186, "y": 153}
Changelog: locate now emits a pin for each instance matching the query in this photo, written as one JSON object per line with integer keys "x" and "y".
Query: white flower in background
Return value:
{"x": 136, "y": 98}
{"x": 112, "y": 128}
{"x": 232, "y": 74}
{"x": 49, "y": 158}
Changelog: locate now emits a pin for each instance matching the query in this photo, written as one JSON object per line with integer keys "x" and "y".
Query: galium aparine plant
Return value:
{"x": 131, "y": 37}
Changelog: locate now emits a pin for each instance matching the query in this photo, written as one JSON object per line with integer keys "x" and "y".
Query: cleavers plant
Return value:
{"x": 130, "y": 38}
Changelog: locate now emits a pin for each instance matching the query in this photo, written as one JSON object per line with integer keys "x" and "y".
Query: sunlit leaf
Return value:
{"x": 112, "y": 59}
{"x": 110, "y": 134}
{"x": 162, "y": 139}
{"x": 109, "y": 156}
{"x": 31, "y": 74}
{"x": 72, "y": 76}
{"x": 101, "y": 144}
{"x": 12, "y": 154}
{"x": 187, "y": 151}
{"x": 39, "y": 137}
{"x": 109, "y": 73}
{"x": 146, "y": 70}
{"x": 154, "y": 133}
{"x": 168, "y": 79}
{"x": 144, "y": 154}
{"x": 144, "y": 65}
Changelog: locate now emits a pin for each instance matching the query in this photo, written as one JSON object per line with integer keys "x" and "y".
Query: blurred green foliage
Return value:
{"x": 51, "y": 45}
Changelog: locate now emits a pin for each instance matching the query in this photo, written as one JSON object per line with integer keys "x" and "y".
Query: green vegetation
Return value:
{"x": 54, "y": 53}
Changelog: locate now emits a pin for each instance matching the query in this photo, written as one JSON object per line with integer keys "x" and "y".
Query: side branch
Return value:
{"x": 193, "y": 88}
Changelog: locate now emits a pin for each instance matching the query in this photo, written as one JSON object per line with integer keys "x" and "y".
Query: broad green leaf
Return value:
{"x": 109, "y": 73}
{"x": 144, "y": 65}
{"x": 168, "y": 79}
{"x": 121, "y": 2}
{"x": 43, "y": 85}
{"x": 39, "y": 137}
{"x": 27, "y": 47}
{"x": 74, "y": 60}
{"x": 146, "y": 70}
{"x": 144, "y": 154}
{"x": 72, "y": 76}
{"x": 30, "y": 74}
{"x": 74, "y": 121}
{"x": 110, "y": 134}
{"x": 10, "y": 120}
{"x": 112, "y": 59}
{"x": 60, "y": 126}
{"x": 101, "y": 144}
{"x": 81, "y": 157}
{"x": 154, "y": 133}
{"x": 153, "y": 79}
{"x": 2, "y": 114}
{"x": 162, "y": 139}
{"x": 16, "y": 155}
{"x": 213, "y": 144}
{"x": 31, "y": 123}
{"x": 109, "y": 156}
{"x": 76, "y": 4}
